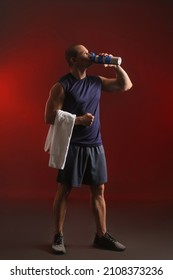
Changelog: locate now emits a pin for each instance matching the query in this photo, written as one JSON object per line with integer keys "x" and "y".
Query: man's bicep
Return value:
{"x": 54, "y": 102}
{"x": 56, "y": 96}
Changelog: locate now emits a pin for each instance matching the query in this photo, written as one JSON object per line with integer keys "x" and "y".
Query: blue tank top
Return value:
{"x": 81, "y": 97}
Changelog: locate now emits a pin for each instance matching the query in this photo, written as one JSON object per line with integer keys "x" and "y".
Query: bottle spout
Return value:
{"x": 92, "y": 56}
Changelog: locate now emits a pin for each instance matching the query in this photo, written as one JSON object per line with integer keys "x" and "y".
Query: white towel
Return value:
{"x": 58, "y": 138}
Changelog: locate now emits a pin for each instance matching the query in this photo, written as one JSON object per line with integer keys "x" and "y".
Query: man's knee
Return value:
{"x": 97, "y": 191}
{"x": 64, "y": 190}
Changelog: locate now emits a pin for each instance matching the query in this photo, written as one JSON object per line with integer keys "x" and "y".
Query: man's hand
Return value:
{"x": 85, "y": 120}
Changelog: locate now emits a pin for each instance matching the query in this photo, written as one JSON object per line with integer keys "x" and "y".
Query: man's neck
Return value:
{"x": 78, "y": 73}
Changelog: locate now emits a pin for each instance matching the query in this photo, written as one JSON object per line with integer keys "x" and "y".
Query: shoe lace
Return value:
{"x": 108, "y": 236}
{"x": 58, "y": 239}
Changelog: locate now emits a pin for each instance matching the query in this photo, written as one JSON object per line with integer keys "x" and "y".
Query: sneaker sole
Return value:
{"x": 108, "y": 249}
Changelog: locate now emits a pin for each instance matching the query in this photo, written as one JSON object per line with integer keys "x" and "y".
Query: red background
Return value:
{"x": 136, "y": 126}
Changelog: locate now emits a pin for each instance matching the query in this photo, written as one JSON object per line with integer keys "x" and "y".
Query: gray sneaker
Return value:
{"x": 108, "y": 242}
{"x": 58, "y": 244}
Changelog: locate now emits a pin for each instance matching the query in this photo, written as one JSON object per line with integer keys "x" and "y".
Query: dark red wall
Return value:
{"x": 137, "y": 126}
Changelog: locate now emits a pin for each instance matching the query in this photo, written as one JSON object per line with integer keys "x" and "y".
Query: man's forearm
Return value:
{"x": 85, "y": 120}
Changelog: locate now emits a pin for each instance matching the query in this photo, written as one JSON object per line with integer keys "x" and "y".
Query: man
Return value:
{"x": 79, "y": 94}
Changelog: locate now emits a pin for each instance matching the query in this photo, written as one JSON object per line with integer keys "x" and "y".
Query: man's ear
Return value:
{"x": 73, "y": 60}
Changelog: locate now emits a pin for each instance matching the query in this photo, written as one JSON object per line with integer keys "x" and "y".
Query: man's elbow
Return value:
{"x": 127, "y": 86}
{"x": 49, "y": 120}
{"x": 50, "y": 117}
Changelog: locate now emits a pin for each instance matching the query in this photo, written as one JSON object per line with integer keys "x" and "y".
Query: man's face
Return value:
{"x": 83, "y": 57}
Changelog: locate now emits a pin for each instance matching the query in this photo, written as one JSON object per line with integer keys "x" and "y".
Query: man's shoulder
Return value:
{"x": 64, "y": 77}
{"x": 94, "y": 78}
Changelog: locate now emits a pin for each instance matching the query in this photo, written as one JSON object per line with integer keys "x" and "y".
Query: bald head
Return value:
{"x": 72, "y": 52}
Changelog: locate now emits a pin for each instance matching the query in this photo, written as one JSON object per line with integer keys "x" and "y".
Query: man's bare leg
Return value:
{"x": 102, "y": 238}
{"x": 59, "y": 213}
{"x": 99, "y": 208}
{"x": 60, "y": 207}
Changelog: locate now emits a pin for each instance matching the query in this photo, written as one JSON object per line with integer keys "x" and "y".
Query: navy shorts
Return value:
{"x": 84, "y": 165}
